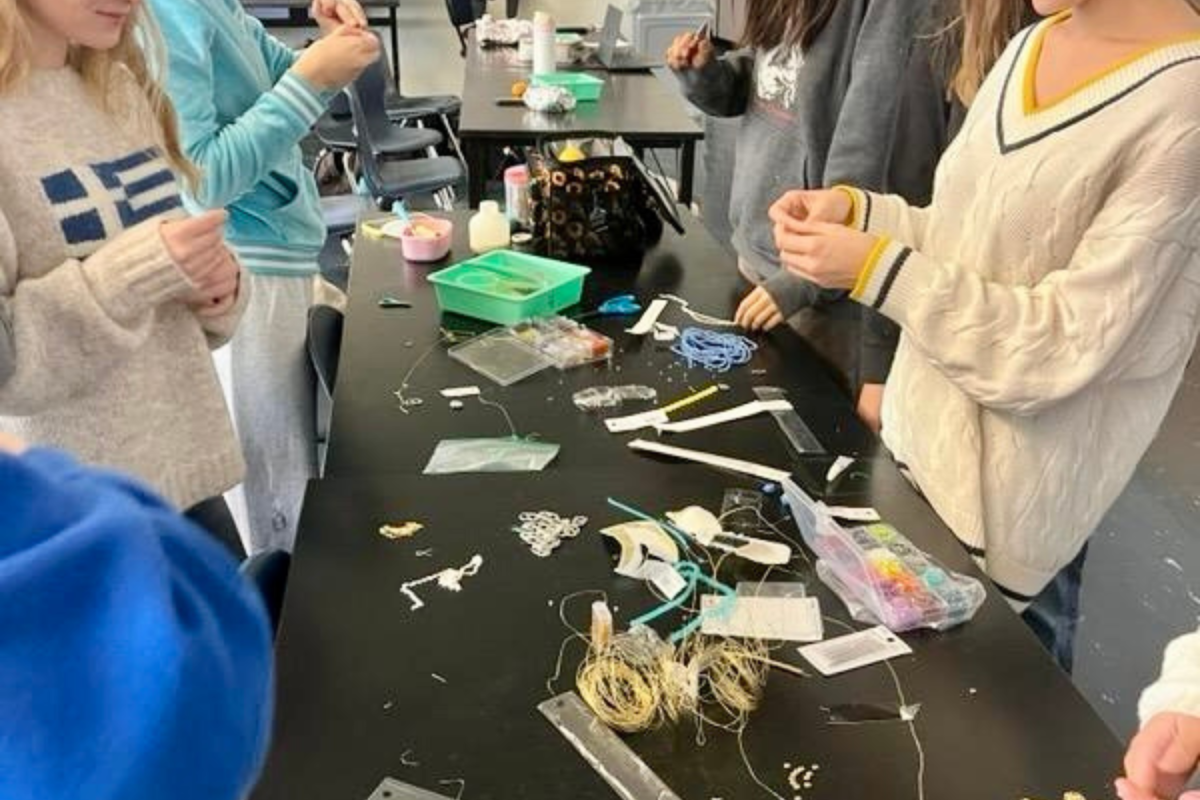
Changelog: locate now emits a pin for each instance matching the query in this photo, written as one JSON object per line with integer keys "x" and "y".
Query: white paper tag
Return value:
{"x": 855, "y": 650}
{"x": 460, "y": 391}
{"x": 789, "y": 619}
{"x": 743, "y": 411}
{"x": 633, "y": 422}
{"x": 664, "y": 577}
{"x": 855, "y": 514}
{"x": 649, "y": 317}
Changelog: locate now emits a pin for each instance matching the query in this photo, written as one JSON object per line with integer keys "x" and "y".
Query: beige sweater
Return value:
{"x": 98, "y": 355}
{"x": 1049, "y": 298}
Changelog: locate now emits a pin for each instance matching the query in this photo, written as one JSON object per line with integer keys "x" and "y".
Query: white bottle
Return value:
{"x": 489, "y": 228}
{"x": 545, "y": 51}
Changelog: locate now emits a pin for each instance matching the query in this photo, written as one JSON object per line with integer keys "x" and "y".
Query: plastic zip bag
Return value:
{"x": 509, "y": 454}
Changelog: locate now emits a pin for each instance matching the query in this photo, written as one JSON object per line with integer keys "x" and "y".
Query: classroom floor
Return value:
{"x": 1137, "y": 592}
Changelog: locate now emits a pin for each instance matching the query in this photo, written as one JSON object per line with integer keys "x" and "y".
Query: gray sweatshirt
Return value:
{"x": 810, "y": 120}
{"x": 99, "y": 354}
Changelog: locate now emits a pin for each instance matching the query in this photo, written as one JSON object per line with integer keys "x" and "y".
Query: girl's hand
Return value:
{"x": 823, "y": 205}
{"x": 331, "y": 14}
{"x": 1162, "y": 758}
{"x": 689, "y": 51}
{"x": 11, "y": 445}
{"x": 831, "y": 256}
{"x": 337, "y": 58}
{"x": 197, "y": 246}
{"x": 758, "y": 311}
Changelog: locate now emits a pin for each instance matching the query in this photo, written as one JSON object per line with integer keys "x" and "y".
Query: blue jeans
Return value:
{"x": 1054, "y": 614}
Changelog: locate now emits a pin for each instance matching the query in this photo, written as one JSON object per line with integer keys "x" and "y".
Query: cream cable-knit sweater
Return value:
{"x": 1050, "y": 299}
{"x": 1179, "y": 688}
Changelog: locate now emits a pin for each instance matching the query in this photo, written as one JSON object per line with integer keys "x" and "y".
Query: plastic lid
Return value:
{"x": 489, "y": 207}
{"x": 518, "y": 174}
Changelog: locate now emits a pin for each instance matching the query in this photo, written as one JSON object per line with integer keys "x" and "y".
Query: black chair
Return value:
{"x": 269, "y": 572}
{"x": 442, "y": 109}
{"x": 463, "y": 16}
{"x": 325, "y": 325}
{"x": 388, "y": 178}
{"x": 335, "y": 130}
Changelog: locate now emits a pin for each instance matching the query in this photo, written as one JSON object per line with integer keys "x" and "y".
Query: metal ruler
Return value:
{"x": 612, "y": 759}
{"x": 798, "y": 434}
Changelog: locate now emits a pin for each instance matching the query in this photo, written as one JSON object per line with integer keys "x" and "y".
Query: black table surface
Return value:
{"x": 356, "y": 692}
{"x": 370, "y": 434}
{"x": 357, "y": 695}
{"x": 637, "y": 105}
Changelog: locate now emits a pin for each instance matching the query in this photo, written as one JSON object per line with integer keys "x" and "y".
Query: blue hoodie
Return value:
{"x": 242, "y": 113}
{"x": 135, "y": 662}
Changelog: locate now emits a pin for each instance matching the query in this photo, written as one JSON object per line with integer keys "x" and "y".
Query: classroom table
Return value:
{"x": 369, "y": 688}
{"x": 640, "y": 106}
{"x": 298, "y": 17}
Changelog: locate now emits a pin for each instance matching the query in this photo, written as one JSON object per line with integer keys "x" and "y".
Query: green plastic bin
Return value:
{"x": 586, "y": 88}
{"x": 506, "y": 287}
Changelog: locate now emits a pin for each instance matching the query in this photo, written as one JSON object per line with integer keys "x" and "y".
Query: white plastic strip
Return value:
{"x": 649, "y": 317}
{"x": 744, "y": 411}
{"x": 855, "y": 514}
{"x": 855, "y": 650}
{"x": 721, "y": 462}
{"x": 633, "y": 422}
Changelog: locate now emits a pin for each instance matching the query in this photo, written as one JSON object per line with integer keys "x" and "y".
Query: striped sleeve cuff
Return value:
{"x": 860, "y": 208}
{"x": 301, "y": 99}
{"x": 893, "y": 279}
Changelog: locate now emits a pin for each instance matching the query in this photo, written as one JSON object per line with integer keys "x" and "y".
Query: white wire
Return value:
{"x": 696, "y": 316}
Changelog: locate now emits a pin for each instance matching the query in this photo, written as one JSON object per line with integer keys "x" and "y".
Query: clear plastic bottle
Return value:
{"x": 489, "y": 228}
{"x": 545, "y": 52}
{"x": 516, "y": 197}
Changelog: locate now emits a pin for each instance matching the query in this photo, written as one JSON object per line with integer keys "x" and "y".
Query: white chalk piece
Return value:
{"x": 788, "y": 619}
{"x": 460, "y": 391}
{"x": 855, "y": 650}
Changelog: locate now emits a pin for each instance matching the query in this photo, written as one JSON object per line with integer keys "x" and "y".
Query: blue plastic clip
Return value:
{"x": 623, "y": 305}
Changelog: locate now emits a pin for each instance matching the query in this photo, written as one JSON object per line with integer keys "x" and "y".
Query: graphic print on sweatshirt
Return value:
{"x": 776, "y": 75}
{"x": 96, "y": 202}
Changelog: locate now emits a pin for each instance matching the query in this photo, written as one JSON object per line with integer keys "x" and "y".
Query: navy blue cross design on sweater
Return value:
{"x": 97, "y": 202}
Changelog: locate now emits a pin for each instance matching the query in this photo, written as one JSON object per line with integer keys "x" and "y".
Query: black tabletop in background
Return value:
{"x": 357, "y": 694}
{"x": 637, "y": 105}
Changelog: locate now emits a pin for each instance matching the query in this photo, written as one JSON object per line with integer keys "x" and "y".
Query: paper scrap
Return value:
{"x": 721, "y": 462}
{"x": 855, "y": 650}
{"x": 789, "y": 619}
{"x": 633, "y": 422}
{"x": 839, "y": 466}
{"x": 744, "y": 411}
{"x": 461, "y": 391}
{"x": 855, "y": 514}
{"x": 649, "y": 317}
{"x": 664, "y": 577}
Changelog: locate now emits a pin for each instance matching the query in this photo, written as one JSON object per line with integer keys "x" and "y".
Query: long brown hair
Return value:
{"x": 980, "y": 33}
{"x": 795, "y": 23}
{"x": 139, "y": 53}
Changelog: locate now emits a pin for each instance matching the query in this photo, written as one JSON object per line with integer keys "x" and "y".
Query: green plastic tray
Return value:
{"x": 586, "y": 88}
{"x": 506, "y": 287}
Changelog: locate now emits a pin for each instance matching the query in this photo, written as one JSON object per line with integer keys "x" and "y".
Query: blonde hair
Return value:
{"x": 139, "y": 53}
{"x": 983, "y": 28}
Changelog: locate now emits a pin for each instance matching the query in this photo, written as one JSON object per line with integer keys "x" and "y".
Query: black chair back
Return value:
{"x": 325, "y": 325}
{"x": 465, "y": 12}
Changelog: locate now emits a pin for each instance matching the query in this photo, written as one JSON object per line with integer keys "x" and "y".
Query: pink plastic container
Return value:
{"x": 427, "y": 248}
